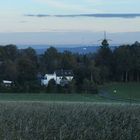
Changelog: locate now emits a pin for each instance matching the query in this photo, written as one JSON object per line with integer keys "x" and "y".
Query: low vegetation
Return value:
{"x": 129, "y": 90}
{"x": 69, "y": 121}
{"x": 54, "y": 97}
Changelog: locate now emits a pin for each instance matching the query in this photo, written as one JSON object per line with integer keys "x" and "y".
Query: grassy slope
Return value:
{"x": 124, "y": 90}
{"x": 50, "y": 97}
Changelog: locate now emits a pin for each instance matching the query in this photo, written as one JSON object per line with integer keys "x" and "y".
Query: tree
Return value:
{"x": 9, "y": 70}
{"x": 89, "y": 86}
{"x": 68, "y": 60}
{"x": 72, "y": 86}
{"x": 29, "y": 53}
{"x": 10, "y": 52}
{"x": 51, "y": 60}
{"x": 123, "y": 62}
{"x": 95, "y": 72}
{"x": 135, "y": 55}
{"x": 27, "y": 71}
{"x": 52, "y": 87}
{"x": 8, "y": 67}
{"x": 104, "y": 61}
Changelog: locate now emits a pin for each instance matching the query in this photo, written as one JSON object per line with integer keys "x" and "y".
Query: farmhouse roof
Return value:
{"x": 7, "y": 82}
{"x": 64, "y": 73}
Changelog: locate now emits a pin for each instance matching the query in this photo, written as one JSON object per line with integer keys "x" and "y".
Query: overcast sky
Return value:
{"x": 49, "y": 21}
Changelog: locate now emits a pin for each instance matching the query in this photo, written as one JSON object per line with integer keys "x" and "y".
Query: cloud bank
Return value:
{"x": 87, "y": 15}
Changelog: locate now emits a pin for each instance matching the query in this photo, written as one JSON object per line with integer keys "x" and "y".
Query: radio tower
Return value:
{"x": 104, "y": 42}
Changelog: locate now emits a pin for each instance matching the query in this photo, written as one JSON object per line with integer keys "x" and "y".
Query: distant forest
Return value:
{"x": 25, "y": 68}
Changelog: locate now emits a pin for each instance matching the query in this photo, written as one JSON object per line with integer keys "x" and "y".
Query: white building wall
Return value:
{"x": 47, "y": 78}
{"x": 57, "y": 79}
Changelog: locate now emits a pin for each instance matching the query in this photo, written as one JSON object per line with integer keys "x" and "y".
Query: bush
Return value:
{"x": 89, "y": 87}
{"x": 52, "y": 86}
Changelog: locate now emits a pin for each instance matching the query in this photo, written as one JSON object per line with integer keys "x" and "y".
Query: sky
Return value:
{"x": 69, "y": 21}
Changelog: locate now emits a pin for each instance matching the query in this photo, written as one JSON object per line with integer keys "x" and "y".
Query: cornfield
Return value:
{"x": 69, "y": 121}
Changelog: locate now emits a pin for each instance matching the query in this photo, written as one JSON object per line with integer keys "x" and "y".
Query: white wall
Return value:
{"x": 47, "y": 78}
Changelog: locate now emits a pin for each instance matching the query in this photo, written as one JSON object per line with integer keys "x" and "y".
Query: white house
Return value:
{"x": 61, "y": 77}
{"x": 7, "y": 83}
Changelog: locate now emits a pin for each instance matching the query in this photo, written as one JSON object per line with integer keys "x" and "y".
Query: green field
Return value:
{"x": 51, "y": 97}
{"x": 123, "y": 90}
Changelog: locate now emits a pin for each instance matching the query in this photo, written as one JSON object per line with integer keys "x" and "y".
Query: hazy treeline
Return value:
{"x": 26, "y": 68}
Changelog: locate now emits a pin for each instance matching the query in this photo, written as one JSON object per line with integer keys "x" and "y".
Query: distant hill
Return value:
{"x": 81, "y": 49}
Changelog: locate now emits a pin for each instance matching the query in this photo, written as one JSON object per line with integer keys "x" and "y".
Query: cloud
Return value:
{"x": 88, "y": 15}
{"x": 67, "y": 5}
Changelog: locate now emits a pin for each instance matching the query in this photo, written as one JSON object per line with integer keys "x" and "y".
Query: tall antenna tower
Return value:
{"x": 104, "y": 42}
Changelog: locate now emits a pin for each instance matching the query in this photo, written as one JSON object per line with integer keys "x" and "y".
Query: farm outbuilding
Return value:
{"x": 7, "y": 83}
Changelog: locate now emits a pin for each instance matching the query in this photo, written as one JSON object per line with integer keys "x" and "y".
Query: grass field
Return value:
{"x": 51, "y": 97}
{"x": 123, "y": 90}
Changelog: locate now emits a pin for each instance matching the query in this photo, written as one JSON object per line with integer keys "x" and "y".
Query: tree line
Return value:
{"x": 26, "y": 68}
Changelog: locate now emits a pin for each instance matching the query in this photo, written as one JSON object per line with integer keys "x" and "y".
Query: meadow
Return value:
{"x": 51, "y": 97}
{"x": 129, "y": 90}
{"x": 123, "y": 91}
{"x": 69, "y": 121}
